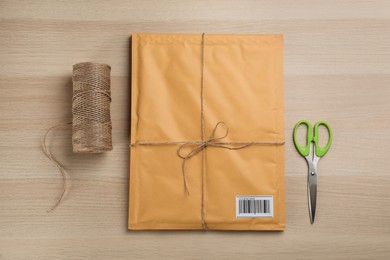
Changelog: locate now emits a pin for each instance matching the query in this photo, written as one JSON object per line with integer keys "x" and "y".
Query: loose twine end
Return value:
{"x": 57, "y": 164}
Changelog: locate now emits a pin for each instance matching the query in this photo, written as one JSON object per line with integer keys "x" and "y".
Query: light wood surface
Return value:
{"x": 337, "y": 64}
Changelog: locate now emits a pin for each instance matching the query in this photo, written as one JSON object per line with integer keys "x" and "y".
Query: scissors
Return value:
{"x": 312, "y": 153}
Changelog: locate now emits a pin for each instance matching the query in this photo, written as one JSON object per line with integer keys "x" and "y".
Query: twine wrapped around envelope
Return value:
{"x": 91, "y": 115}
{"x": 199, "y": 146}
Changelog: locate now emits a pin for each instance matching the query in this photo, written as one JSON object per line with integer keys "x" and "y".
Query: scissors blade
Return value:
{"x": 312, "y": 192}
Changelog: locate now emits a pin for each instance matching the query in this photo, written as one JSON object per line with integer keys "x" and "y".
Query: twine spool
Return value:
{"x": 92, "y": 129}
{"x": 91, "y": 108}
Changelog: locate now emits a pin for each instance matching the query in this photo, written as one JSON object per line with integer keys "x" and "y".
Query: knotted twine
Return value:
{"x": 91, "y": 115}
{"x": 200, "y": 146}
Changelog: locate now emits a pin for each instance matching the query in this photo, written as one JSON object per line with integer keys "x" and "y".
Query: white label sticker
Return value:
{"x": 254, "y": 206}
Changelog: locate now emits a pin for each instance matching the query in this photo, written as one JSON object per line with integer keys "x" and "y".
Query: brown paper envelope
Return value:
{"x": 242, "y": 87}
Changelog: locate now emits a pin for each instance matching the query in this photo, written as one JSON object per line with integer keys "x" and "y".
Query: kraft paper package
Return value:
{"x": 207, "y": 132}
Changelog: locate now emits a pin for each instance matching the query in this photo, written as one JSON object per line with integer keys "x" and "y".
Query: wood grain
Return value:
{"x": 337, "y": 64}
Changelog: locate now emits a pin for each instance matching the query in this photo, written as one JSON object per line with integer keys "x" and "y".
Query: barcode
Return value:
{"x": 254, "y": 206}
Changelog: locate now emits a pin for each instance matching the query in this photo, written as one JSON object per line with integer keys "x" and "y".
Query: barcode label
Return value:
{"x": 254, "y": 207}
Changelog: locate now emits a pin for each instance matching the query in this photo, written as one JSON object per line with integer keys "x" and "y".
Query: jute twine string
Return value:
{"x": 200, "y": 146}
{"x": 63, "y": 171}
{"x": 91, "y": 115}
{"x": 91, "y": 108}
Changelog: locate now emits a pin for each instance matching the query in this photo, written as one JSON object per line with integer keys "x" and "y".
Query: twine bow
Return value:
{"x": 214, "y": 141}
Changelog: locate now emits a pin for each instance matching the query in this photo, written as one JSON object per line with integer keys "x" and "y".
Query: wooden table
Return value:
{"x": 337, "y": 64}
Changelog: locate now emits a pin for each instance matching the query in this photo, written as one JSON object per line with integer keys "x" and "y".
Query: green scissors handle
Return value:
{"x": 312, "y": 135}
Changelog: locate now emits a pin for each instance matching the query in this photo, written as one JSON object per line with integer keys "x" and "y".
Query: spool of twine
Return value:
{"x": 92, "y": 129}
{"x": 91, "y": 108}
